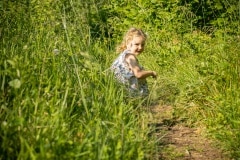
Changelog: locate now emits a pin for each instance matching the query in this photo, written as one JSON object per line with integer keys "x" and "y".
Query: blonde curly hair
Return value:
{"x": 132, "y": 32}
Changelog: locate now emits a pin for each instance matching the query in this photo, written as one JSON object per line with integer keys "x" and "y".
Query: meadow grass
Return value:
{"x": 59, "y": 106}
{"x": 58, "y": 100}
{"x": 58, "y": 103}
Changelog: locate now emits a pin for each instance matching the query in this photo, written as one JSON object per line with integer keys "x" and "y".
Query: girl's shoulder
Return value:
{"x": 128, "y": 53}
{"x": 131, "y": 59}
{"x": 130, "y": 56}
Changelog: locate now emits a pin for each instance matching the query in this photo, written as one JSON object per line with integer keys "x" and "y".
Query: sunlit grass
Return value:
{"x": 58, "y": 103}
{"x": 58, "y": 100}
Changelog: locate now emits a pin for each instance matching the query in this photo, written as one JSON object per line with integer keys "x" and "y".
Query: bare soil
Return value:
{"x": 181, "y": 142}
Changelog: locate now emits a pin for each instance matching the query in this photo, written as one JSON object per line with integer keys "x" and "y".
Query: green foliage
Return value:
{"x": 214, "y": 14}
{"x": 56, "y": 102}
{"x": 59, "y": 102}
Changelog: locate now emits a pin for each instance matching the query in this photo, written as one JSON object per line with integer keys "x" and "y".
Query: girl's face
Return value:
{"x": 136, "y": 45}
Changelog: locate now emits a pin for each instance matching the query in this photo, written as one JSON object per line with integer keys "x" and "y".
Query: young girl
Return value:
{"x": 126, "y": 68}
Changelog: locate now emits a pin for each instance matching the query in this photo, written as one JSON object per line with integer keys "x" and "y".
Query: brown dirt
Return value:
{"x": 180, "y": 142}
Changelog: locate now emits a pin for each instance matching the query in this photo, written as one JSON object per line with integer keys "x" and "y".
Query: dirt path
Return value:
{"x": 179, "y": 142}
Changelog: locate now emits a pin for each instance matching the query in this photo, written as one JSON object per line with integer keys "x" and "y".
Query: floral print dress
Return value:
{"x": 124, "y": 75}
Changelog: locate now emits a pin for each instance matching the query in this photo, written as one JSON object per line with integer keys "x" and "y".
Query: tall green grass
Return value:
{"x": 208, "y": 80}
{"x": 58, "y": 100}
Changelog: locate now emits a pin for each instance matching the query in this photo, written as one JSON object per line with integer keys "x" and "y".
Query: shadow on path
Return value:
{"x": 180, "y": 142}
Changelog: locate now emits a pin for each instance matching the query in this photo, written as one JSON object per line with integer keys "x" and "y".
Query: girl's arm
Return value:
{"x": 134, "y": 66}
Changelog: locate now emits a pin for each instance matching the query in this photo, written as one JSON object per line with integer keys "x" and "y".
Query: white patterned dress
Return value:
{"x": 124, "y": 75}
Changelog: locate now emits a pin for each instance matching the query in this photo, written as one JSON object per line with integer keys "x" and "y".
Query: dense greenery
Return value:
{"x": 59, "y": 102}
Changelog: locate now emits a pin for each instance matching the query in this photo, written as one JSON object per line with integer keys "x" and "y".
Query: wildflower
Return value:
{"x": 25, "y": 47}
{"x": 56, "y": 51}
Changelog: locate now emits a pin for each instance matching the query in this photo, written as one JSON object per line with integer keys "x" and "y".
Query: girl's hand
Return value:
{"x": 154, "y": 74}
